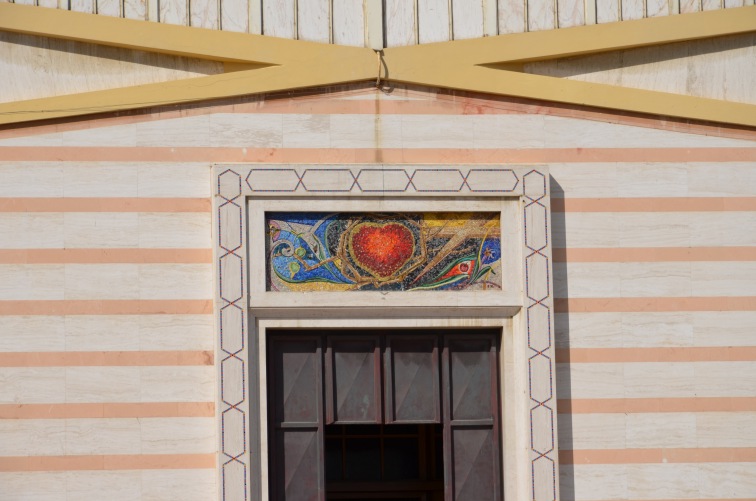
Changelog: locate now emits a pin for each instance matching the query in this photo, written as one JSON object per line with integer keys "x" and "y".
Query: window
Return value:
{"x": 397, "y": 462}
{"x": 384, "y": 415}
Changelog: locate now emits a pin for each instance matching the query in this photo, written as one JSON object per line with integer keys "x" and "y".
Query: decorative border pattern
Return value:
{"x": 383, "y": 180}
{"x": 236, "y": 183}
{"x": 538, "y": 319}
{"x": 231, "y": 314}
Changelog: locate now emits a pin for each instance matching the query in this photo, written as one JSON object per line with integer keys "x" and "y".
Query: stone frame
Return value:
{"x": 530, "y": 454}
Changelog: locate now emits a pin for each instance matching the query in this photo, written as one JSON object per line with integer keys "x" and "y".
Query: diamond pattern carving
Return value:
{"x": 231, "y": 320}
{"x": 383, "y": 181}
{"x": 491, "y": 180}
{"x": 232, "y": 372}
{"x": 438, "y": 180}
{"x": 537, "y": 275}
{"x": 538, "y": 318}
{"x": 232, "y": 420}
{"x": 273, "y": 180}
{"x": 540, "y": 391}
{"x": 542, "y": 417}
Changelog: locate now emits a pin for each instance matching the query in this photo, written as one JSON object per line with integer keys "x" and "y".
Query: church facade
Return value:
{"x": 463, "y": 250}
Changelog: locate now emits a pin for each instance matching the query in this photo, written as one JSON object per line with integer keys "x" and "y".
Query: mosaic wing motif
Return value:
{"x": 298, "y": 255}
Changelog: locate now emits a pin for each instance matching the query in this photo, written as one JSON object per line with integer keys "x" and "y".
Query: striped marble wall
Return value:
{"x": 406, "y": 22}
{"x": 107, "y": 376}
{"x": 107, "y": 384}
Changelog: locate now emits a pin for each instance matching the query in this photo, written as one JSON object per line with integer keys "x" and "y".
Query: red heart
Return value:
{"x": 381, "y": 249}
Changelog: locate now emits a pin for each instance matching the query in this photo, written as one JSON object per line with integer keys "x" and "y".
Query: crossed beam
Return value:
{"x": 256, "y": 64}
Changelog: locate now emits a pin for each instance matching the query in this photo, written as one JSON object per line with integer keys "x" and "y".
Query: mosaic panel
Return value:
{"x": 309, "y": 251}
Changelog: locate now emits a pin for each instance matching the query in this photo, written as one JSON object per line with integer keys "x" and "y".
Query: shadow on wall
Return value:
{"x": 137, "y": 57}
{"x": 562, "y": 342}
{"x": 616, "y": 60}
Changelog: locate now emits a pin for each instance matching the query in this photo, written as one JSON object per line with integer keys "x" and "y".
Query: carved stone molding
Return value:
{"x": 239, "y": 461}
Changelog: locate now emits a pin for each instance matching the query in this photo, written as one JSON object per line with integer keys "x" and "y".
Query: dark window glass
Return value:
{"x": 363, "y": 459}
{"x": 334, "y": 459}
{"x": 401, "y": 459}
{"x": 363, "y": 430}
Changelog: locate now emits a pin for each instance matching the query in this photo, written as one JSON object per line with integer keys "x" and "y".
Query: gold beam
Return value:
{"x": 315, "y": 73}
{"x": 480, "y": 65}
{"x": 487, "y": 64}
{"x": 162, "y": 38}
{"x": 253, "y": 64}
{"x": 561, "y": 90}
{"x": 576, "y": 41}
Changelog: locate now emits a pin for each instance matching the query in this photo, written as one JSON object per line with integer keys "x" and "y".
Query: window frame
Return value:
{"x": 243, "y": 316}
{"x": 321, "y": 345}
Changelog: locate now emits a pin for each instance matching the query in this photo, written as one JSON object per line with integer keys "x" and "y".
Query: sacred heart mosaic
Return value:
{"x": 316, "y": 251}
